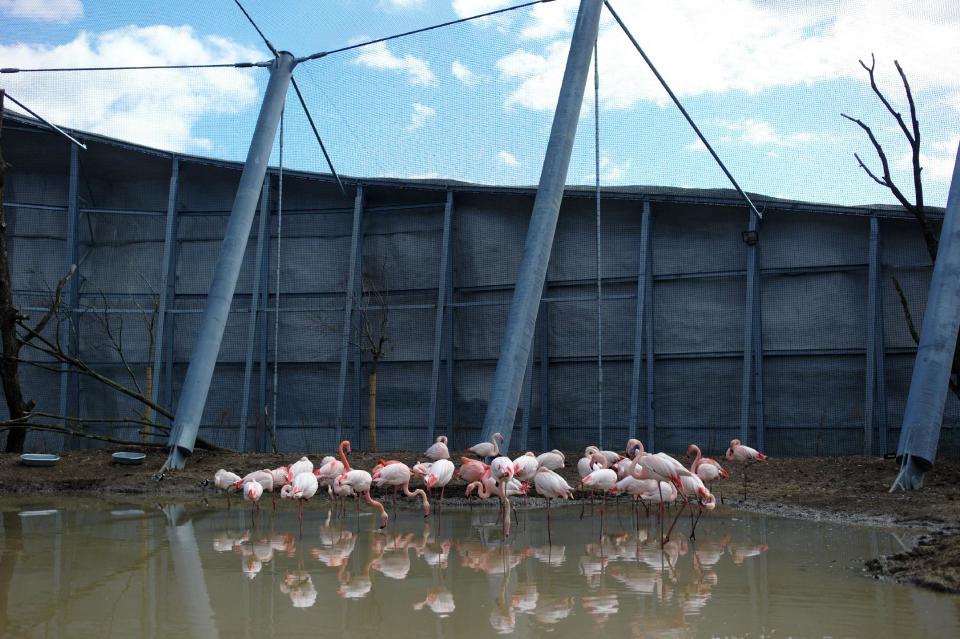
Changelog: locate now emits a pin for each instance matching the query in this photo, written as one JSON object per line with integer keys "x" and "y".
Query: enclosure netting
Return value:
{"x": 461, "y": 104}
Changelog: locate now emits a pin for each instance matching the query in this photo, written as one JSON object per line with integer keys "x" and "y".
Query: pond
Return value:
{"x": 89, "y": 568}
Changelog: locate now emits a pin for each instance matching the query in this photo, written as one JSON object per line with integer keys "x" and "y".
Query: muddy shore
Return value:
{"x": 841, "y": 489}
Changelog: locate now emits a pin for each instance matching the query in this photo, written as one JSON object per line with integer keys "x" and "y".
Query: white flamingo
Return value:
{"x": 491, "y": 448}
{"x": 398, "y": 475}
{"x": 438, "y": 450}
{"x": 550, "y": 486}
{"x": 551, "y": 460}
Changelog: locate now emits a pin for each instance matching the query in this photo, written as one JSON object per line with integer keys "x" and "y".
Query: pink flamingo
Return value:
{"x": 602, "y": 479}
{"x": 359, "y": 481}
{"x": 398, "y": 475}
{"x": 303, "y": 487}
{"x": 252, "y": 491}
{"x": 262, "y": 477}
{"x": 302, "y": 465}
{"x": 746, "y": 455}
{"x": 440, "y": 474}
{"x": 550, "y": 485}
{"x": 438, "y": 450}
{"x": 501, "y": 469}
{"x": 525, "y": 466}
{"x": 705, "y": 468}
{"x": 227, "y": 482}
{"x": 491, "y": 448}
{"x": 551, "y": 460}
{"x": 470, "y": 469}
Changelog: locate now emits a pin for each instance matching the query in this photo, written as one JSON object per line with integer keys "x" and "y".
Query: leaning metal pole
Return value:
{"x": 923, "y": 414}
{"x": 196, "y": 385}
{"x": 518, "y": 335}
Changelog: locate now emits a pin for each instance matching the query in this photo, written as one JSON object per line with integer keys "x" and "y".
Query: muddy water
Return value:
{"x": 93, "y": 569}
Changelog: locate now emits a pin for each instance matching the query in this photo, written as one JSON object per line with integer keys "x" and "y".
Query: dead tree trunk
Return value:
{"x": 9, "y": 314}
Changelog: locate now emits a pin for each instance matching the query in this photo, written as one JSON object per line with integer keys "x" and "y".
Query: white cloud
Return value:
{"x": 379, "y": 56}
{"x": 155, "y": 108}
{"x": 710, "y": 48}
{"x": 937, "y": 161}
{"x": 954, "y": 101}
{"x": 421, "y": 113}
{"x": 696, "y": 145}
{"x": 610, "y": 171}
{"x": 464, "y": 73}
{"x": 762, "y": 133}
{"x": 401, "y": 5}
{"x": 465, "y": 8}
{"x": 505, "y": 157}
{"x": 550, "y": 20}
{"x": 43, "y": 10}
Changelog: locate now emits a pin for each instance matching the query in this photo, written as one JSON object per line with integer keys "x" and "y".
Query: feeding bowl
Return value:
{"x": 38, "y": 459}
{"x": 130, "y": 459}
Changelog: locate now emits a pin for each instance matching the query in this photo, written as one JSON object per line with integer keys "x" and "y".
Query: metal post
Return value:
{"x": 263, "y": 340}
{"x": 638, "y": 321}
{"x": 881, "y": 366}
{"x": 923, "y": 414}
{"x": 758, "y": 350}
{"x": 748, "y": 316}
{"x": 521, "y": 321}
{"x": 648, "y": 299}
{"x": 448, "y": 332}
{"x": 168, "y": 275}
{"x": 543, "y": 338}
{"x": 438, "y": 320}
{"x": 870, "y": 366}
{"x": 69, "y": 391}
{"x": 353, "y": 275}
{"x": 263, "y": 238}
{"x": 196, "y": 385}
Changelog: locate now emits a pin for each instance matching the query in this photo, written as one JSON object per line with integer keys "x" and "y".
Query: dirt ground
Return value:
{"x": 841, "y": 489}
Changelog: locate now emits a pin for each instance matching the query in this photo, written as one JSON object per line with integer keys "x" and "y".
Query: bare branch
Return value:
{"x": 869, "y": 172}
{"x": 887, "y": 179}
{"x": 883, "y": 98}
{"x": 55, "y": 304}
{"x": 914, "y": 333}
{"x": 915, "y": 140}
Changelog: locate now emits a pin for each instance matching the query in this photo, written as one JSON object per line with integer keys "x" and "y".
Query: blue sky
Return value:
{"x": 766, "y": 80}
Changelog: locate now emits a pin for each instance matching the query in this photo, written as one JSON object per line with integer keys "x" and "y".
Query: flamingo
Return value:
{"x": 252, "y": 491}
{"x": 359, "y": 482}
{"x": 634, "y": 487}
{"x": 602, "y": 479}
{"x": 440, "y": 474}
{"x": 525, "y": 466}
{"x": 227, "y": 482}
{"x": 470, "y": 469}
{"x": 585, "y": 464}
{"x": 707, "y": 469}
{"x": 302, "y": 465}
{"x": 264, "y": 478}
{"x": 501, "y": 469}
{"x": 748, "y": 456}
{"x": 552, "y": 460}
{"x": 488, "y": 449}
{"x": 438, "y": 450}
{"x": 398, "y": 475}
{"x": 550, "y": 485}
{"x": 303, "y": 487}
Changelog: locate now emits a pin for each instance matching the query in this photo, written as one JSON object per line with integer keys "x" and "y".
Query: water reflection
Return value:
{"x": 453, "y": 570}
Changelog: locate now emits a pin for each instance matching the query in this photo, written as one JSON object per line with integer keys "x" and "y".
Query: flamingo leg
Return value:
{"x": 300, "y": 516}
{"x": 549, "y": 536}
{"x": 693, "y": 531}
{"x": 674, "y": 523}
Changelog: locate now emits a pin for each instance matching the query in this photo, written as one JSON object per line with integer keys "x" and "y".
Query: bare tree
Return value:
{"x": 916, "y": 207}
{"x": 18, "y": 331}
{"x": 370, "y": 334}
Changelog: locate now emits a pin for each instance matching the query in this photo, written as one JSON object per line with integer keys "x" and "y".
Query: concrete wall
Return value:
{"x": 813, "y": 297}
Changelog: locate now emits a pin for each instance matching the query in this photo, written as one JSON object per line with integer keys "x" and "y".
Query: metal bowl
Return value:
{"x": 128, "y": 458}
{"x": 38, "y": 459}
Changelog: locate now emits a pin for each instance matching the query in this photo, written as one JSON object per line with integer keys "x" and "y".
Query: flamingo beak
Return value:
{"x": 431, "y": 480}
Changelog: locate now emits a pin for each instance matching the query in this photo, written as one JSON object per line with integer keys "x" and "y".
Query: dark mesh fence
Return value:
{"x": 810, "y": 312}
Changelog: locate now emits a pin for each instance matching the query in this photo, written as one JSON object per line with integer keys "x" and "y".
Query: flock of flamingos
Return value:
{"x": 645, "y": 477}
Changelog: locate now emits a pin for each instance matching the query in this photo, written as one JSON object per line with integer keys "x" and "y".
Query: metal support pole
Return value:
{"x": 923, "y": 414}
{"x": 758, "y": 350}
{"x": 168, "y": 276}
{"x": 881, "y": 366}
{"x": 648, "y": 299}
{"x": 438, "y": 321}
{"x": 196, "y": 385}
{"x": 871, "y": 360}
{"x": 263, "y": 339}
{"x": 69, "y": 384}
{"x": 353, "y": 275}
{"x": 263, "y": 238}
{"x": 638, "y": 321}
{"x": 518, "y": 335}
{"x": 749, "y": 313}
{"x": 543, "y": 339}
{"x": 448, "y": 343}
{"x": 527, "y": 398}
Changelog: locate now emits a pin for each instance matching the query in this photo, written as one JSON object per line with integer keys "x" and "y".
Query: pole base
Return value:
{"x": 176, "y": 460}
{"x": 912, "y": 471}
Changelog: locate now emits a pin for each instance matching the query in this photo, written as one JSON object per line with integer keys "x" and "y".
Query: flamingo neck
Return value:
{"x": 343, "y": 457}
{"x": 696, "y": 460}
